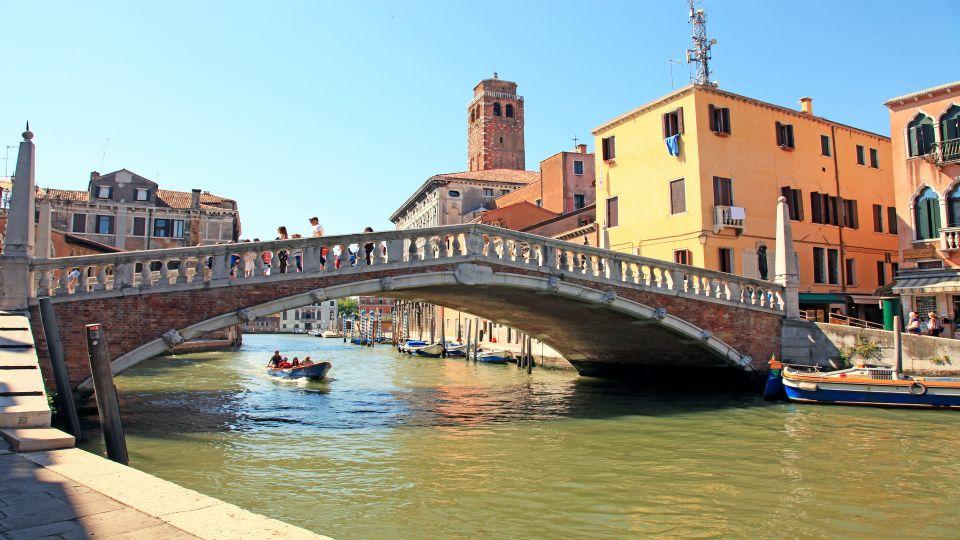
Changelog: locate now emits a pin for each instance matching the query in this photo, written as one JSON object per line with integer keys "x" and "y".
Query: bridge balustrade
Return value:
{"x": 191, "y": 267}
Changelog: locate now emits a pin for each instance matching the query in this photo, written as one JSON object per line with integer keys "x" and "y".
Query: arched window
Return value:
{"x": 473, "y": 116}
{"x": 496, "y": 109}
{"x": 950, "y": 134}
{"x": 509, "y": 111}
{"x": 927, "y": 214}
{"x": 953, "y": 208}
{"x": 920, "y": 135}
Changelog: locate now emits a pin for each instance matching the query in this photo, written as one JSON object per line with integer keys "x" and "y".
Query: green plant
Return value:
{"x": 346, "y": 307}
{"x": 863, "y": 349}
{"x": 940, "y": 360}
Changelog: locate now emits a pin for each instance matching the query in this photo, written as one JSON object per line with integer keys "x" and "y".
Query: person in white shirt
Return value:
{"x": 317, "y": 228}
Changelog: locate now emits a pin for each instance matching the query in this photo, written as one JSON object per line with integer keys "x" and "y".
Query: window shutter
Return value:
{"x": 815, "y": 207}
{"x": 725, "y": 113}
{"x": 855, "y": 215}
{"x": 680, "y": 120}
{"x": 714, "y": 125}
{"x": 892, "y": 220}
{"x": 912, "y": 137}
{"x": 799, "y": 196}
{"x": 663, "y": 125}
{"x": 779, "y": 134}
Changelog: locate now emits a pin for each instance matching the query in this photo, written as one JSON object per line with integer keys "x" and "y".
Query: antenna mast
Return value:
{"x": 699, "y": 55}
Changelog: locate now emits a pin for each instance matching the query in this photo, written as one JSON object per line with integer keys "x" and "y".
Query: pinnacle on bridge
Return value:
{"x": 28, "y": 135}
{"x": 785, "y": 266}
{"x": 19, "y": 240}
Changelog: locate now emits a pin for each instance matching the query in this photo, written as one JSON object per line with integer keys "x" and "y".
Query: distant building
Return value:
{"x": 127, "y": 211}
{"x": 268, "y": 324}
{"x": 381, "y": 309}
{"x": 566, "y": 183}
{"x": 925, "y": 128}
{"x": 694, "y": 177}
{"x": 321, "y": 316}
{"x": 495, "y": 127}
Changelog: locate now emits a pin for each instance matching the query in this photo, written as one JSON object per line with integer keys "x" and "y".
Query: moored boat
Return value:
{"x": 409, "y": 345}
{"x": 434, "y": 350}
{"x": 456, "y": 350}
{"x": 870, "y": 385}
{"x": 494, "y": 357}
{"x": 314, "y": 372}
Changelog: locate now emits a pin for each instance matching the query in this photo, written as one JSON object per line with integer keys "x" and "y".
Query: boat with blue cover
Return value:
{"x": 433, "y": 350}
{"x": 876, "y": 385}
{"x": 410, "y": 345}
{"x": 494, "y": 357}
{"x": 314, "y": 372}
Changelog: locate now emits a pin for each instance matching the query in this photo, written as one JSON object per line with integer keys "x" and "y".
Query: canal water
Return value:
{"x": 396, "y": 447}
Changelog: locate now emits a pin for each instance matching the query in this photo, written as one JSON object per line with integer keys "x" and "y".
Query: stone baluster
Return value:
{"x": 457, "y": 245}
{"x": 275, "y": 263}
{"x": 734, "y": 292}
{"x": 628, "y": 274}
{"x": 547, "y": 257}
{"x": 311, "y": 258}
{"x": 344, "y": 257}
{"x": 395, "y": 250}
{"x": 182, "y": 270}
{"x": 221, "y": 266}
{"x": 614, "y": 269}
{"x": 44, "y": 285}
{"x": 200, "y": 269}
{"x": 146, "y": 274}
{"x": 164, "y": 272}
{"x": 413, "y": 253}
{"x": 258, "y": 263}
{"x": 101, "y": 284}
{"x": 123, "y": 275}
{"x": 433, "y": 248}
{"x": 62, "y": 282}
{"x": 83, "y": 284}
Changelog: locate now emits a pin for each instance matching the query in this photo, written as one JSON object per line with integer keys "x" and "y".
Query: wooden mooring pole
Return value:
{"x": 467, "y": 350}
{"x": 529, "y": 354}
{"x": 523, "y": 350}
{"x": 107, "y": 403}
{"x": 443, "y": 333}
{"x": 65, "y": 400}
{"x": 897, "y": 346}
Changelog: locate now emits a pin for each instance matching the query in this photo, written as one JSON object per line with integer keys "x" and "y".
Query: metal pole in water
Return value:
{"x": 467, "y": 349}
{"x": 55, "y": 350}
{"x": 107, "y": 403}
{"x": 523, "y": 350}
{"x": 897, "y": 346}
{"x": 443, "y": 333}
{"x": 433, "y": 323}
{"x": 530, "y": 355}
{"x": 476, "y": 342}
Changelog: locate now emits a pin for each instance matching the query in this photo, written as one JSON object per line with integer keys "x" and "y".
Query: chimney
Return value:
{"x": 581, "y": 149}
{"x": 94, "y": 175}
{"x": 806, "y": 105}
{"x": 195, "y": 199}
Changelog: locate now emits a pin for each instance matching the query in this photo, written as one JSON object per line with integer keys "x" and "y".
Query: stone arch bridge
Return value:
{"x": 606, "y": 312}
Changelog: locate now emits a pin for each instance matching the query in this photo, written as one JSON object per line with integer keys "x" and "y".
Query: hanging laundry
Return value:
{"x": 673, "y": 145}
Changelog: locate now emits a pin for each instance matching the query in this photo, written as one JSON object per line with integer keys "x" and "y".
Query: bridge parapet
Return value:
{"x": 155, "y": 271}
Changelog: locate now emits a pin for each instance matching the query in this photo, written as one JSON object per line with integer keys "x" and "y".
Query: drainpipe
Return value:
{"x": 840, "y": 210}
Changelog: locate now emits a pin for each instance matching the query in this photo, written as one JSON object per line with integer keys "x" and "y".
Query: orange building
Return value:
{"x": 694, "y": 177}
{"x": 926, "y": 165}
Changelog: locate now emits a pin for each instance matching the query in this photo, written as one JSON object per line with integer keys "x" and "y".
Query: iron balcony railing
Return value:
{"x": 946, "y": 151}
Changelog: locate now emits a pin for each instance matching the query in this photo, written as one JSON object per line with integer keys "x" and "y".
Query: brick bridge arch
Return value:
{"x": 606, "y": 312}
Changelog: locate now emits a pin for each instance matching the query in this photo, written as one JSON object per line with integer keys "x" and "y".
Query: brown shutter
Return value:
{"x": 725, "y": 112}
{"x": 779, "y": 134}
{"x": 816, "y": 207}
{"x": 680, "y": 120}
{"x": 712, "y": 111}
{"x": 663, "y": 125}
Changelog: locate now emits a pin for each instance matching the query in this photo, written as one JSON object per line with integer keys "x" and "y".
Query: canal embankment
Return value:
{"x": 76, "y": 494}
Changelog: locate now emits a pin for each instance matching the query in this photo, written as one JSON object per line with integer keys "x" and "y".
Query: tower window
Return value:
{"x": 501, "y": 140}
{"x": 473, "y": 115}
{"x": 496, "y": 109}
{"x": 509, "y": 110}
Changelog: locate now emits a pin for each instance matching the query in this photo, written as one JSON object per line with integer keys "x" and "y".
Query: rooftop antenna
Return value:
{"x": 699, "y": 55}
{"x": 671, "y": 62}
{"x": 103, "y": 158}
{"x": 575, "y": 141}
{"x": 6, "y": 159}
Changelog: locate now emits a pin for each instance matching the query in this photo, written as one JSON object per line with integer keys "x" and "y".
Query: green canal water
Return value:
{"x": 396, "y": 447}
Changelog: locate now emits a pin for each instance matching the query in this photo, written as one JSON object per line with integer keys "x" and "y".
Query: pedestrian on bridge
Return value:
{"x": 282, "y": 254}
{"x": 317, "y": 231}
{"x": 368, "y": 247}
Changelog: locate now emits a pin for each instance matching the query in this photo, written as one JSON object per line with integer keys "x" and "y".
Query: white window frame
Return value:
{"x": 100, "y": 192}
{"x": 138, "y": 191}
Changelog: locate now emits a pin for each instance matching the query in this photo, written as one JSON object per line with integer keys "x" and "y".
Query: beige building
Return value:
{"x": 127, "y": 211}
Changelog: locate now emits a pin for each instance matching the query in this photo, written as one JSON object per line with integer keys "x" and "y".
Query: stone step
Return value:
{"x": 37, "y": 439}
{"x": 21, "y": 381}
{"x": 24, "y": 411}
{"x": 18, "y": 358}
{"x": 16, "y": 338}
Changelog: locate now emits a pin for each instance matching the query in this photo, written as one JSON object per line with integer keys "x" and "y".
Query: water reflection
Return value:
{"x": 403, "y": 447}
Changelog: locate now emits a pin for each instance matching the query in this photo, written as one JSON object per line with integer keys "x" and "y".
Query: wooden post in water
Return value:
{"x": 530, "y": 355}
{"x": 467, "y": 349}
{"x": 476, "y": 341}
{"x": 55, "y": 350}
{"x": 443, "y": 333}
{"x": 107, "y": 403}
{"x": 523, "y": 350}
{"x": 433, "y": 323}
{"x": 897, "y": 347}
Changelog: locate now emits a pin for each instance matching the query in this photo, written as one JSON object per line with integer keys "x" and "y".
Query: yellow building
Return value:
{"x": 694, "y": 177}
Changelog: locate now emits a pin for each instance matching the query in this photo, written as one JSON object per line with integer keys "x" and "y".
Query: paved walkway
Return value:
{"x": 75, "y": 494}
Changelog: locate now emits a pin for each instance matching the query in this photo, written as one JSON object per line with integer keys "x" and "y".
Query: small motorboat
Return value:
{"x": 456, "y": 350}
{"x": 314, "y": 372}
{"x": 410, "y": 344}
{"x": 434, "y": 350}
{"x": 494, "y": 357}
{"x": 868, "y": 384}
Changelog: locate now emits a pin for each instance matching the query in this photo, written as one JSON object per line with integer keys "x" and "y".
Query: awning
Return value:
{"x": 822, "y": 298}
{"x": 864, "y": 299}
{"x": 928, "y": 284}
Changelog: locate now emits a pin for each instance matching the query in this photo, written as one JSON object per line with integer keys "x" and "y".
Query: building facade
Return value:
{"x": 694, "y": 177}
{"x": 127, "y": 211}
{"x": 321, "y": 316}
{"x": 925, "y": 132}
{"x": 566, "y": 183}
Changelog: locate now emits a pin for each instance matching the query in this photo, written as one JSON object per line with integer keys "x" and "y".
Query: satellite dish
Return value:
{"x": 713, "y": 41}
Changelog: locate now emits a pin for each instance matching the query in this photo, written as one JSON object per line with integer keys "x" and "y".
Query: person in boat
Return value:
{"x": 296, "y": 362}
{"x": 285, "y": 364}
{"x": 275, "y": 360}
{"x": 307, "y": 362}
{"x": 913, "y": 324}
{"x": 934, "y": 326}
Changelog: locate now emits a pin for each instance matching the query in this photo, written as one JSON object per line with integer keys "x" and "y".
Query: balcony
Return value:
{"x": 728, "y": 217}
{"x": 945, "y": 152}
{"x": 949, "y": 238}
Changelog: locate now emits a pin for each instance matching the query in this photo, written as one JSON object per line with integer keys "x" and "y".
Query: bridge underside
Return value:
{"x": 597, "y": 340}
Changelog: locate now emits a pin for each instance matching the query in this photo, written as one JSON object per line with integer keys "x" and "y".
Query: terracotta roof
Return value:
{"x": 515, "y": 216}
{"x": 497, "y": 175}
{"x": 923, "y": 93}
{"x": 165, "y": 197}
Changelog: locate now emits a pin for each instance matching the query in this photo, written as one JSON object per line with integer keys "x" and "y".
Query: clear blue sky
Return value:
{"x": 342, "y": 109}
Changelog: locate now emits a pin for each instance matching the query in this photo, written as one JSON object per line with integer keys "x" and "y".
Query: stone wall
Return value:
{"x": 817, "y": 343}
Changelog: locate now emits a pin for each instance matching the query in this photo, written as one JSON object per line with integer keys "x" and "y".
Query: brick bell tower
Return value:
{"x": 495, "y": 126}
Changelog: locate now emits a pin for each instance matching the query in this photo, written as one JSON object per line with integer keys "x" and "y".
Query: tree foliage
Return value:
{"x": 348, "y": 307}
